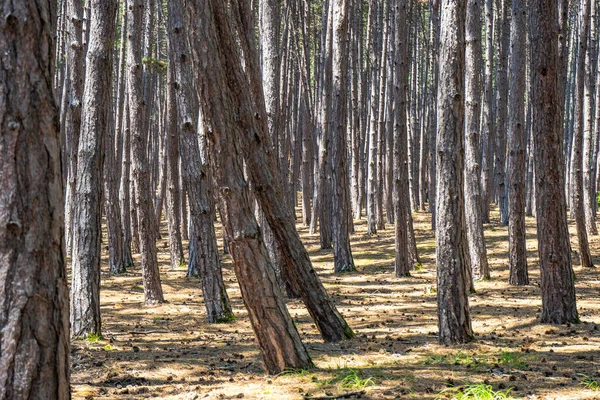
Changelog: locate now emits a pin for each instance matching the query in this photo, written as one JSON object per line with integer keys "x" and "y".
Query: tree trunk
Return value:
{"x": 401, "y": 207}
{"x": 454, "y": 319}
{"x": 34, "y": 299}
{"x": 145, "y": 214}
{"x": 342, "y": 254}
{"x": 576, "y": 154}
{"x": 204, "y": 255}
{"x": 557, "y": 286}
{"x": 473, "y": 213}
{"x": 172, "y": 161}
{"x": 74, "y": 90}
{"x": 87, "y": 232}
{"x": 502, "y": 110}
{"x": 516, "y": 147}
{"x": 277, "y": 336}
{"x": 589, "y": 192}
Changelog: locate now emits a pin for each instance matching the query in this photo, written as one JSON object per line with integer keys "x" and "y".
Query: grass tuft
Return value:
{"x": 589, "y": 383}
{"x": 477, "y": 391}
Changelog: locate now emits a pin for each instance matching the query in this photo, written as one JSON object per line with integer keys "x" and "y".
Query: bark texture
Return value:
{"x": 34, "y": 304}
{"x": 139, "y": 140}
{"x": 557, "y": 286}
{"x": 454, "y": 319}
{"x": 516, "y": 147}
{"x": 87, "y": 212}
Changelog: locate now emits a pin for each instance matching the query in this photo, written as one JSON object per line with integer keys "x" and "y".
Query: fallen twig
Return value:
{"x": 147, "y": 332}
{"x": 337, "y": 396}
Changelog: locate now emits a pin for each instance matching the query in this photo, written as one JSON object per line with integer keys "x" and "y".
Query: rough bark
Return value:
{"x": 401, "y": 265}
{"x": 557, "y": 286}
{"x": 577, "y": 186}
{"x": 488, "y": 138}
{"x": 473, "y": 212}
{"x": 342, "y": 254}
{"x": 172, "y": 161}
{"x": 203, "y": 259}
{"x": 516, "y": 147}
{"x": 454, "y": 320}
{"x": 143, "y": 198}
{"x": 34, "y": 315}
{"x": 74, "y": 97}
{"x": 87, "y": 232}
{"x": 277, "y": 336}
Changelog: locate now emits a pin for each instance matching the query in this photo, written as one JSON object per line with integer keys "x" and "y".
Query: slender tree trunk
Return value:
{"x": 342, "y": 253}
{"x": 74, "y": 91}
{"x": 143, "y": 198}
{"x": 557, "y": 286}
{"x": 517, "y": 166}
{"x": 172, "y": 161}
{"x": 502, "y": 109}
{"x": 204, "y": 255}
{"x": 87, "y": 233}
{"x": 488, "y": 139}
{"x": 473, "y": 213}
{"x": 454, "y": 319}
{"x": 123, "y": 156}
{"x": 589, "y": 193}
{"x": 34, "y": 299}
{"x": 401, "y": 207}
{"x": 578, "y": 133}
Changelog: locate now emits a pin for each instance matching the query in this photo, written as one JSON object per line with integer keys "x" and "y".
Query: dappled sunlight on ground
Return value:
{"x": 170, "y": 352}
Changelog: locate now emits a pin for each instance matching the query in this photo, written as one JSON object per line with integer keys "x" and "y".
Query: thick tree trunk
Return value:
{"x": 576, "y": 153}
{"x": 34, "y": 299}
{"x": 87, "y": 233}
{"x": 277, "y": 336}
{"x": 454, "y": 319}
{"x": 143, "y": 198}
{"x": 557, "y": 286}
{"x": 517, "y": 165}
{"x": 261, "y": 167}
{"x": 474, "y": 219}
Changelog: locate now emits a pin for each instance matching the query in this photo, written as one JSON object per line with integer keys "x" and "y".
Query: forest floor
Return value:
{"x": 170, "y": 352}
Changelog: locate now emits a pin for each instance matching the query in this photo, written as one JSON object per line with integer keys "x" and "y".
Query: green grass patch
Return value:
{"x": 477, "y": 391}
{"x": 589, "y": 383}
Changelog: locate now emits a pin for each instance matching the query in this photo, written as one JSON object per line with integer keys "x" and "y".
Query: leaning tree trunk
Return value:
{"x": 204, "y": 255}
{"x": 473, "y": 212}
{"x": 277, "y": 336}
{"x": 517, "y": 165}
{"x": 454, "y": 319}
{"x": 141, "y": 177}
{"x": 34, "y": 299}
{"x": 576, "y": 153}
{"x": 87, "y": 232}
{"x": 557, "y": 286}
{"x": 262, "y": 168}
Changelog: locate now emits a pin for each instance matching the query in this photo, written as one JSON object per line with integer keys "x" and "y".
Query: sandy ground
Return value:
{"x": 170, "y": 352}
